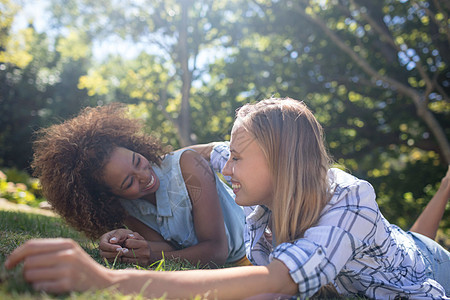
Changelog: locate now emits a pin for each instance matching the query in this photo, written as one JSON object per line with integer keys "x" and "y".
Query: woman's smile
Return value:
{"x": 150, "y": 184}
{"x": 130, "y": 175}
{"x": 235, "y": 186}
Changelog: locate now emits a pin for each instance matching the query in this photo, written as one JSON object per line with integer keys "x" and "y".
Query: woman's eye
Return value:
{"x": 131, "y": 183}
{"x": 235, "y": 158}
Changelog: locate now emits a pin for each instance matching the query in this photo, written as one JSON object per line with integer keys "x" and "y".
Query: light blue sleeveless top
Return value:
{"x": 172, "y": 215}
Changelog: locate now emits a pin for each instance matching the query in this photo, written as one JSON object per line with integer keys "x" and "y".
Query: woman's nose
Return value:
{"x": 141, "y": 175}
{"x": 227, "y": 169}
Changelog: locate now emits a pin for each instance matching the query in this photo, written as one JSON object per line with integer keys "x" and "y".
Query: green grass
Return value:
{"x": 18, "y": 227}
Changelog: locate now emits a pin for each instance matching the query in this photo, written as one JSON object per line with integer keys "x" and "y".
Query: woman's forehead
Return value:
{"x": 240, "y": 138}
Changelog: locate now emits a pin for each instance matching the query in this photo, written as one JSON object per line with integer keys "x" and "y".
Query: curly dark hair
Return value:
{"x": 69, "y": 160}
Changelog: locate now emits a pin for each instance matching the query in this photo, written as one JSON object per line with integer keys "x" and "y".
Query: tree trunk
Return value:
{"x": 184, "y": 117}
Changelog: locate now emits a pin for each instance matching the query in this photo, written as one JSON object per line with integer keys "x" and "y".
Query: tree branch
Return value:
{"x": 361, "y": 62}
{"x": 415, "y": 96}
{"x": 388, "y": 38}
{"x": 442, "y": 25}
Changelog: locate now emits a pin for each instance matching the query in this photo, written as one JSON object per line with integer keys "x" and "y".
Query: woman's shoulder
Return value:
{"x": 351, "y": 189}
{"x": 174, "y": 159}
{"x": 191, "y": 161}
{"x": 343, "y": 180}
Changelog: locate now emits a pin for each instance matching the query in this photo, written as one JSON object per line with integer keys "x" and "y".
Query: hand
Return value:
{"x": 139, "y": 250}
{"x": 125, "y": 246}
{"x": 111, "y": 243}
{"x": 58, "y": 266}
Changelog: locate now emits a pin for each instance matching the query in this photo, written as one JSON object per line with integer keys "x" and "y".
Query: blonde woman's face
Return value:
{"x": 249, "y": 171}
{"x": 130, "y": 175}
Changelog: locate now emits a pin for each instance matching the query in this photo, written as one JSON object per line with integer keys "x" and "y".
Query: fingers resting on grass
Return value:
{"x": 58, "y": 265}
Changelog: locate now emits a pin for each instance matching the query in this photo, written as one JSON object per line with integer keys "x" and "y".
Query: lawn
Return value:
{"x": 18, "y": 226}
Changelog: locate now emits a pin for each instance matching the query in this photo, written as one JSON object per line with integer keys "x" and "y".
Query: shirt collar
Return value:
{"x": 257, "y": 221}
{"x": 260, "y": 215}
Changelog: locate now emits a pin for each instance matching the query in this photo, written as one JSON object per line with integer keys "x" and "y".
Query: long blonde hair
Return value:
{"x": 292, "y": 141}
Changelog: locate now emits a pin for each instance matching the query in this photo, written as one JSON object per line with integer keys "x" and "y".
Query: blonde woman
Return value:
{"x": 307, "y": 226}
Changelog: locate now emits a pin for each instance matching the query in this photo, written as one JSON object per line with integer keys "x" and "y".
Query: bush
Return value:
{"x": 19, "y": 187}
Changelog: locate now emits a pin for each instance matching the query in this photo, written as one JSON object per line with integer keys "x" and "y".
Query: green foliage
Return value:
{"x": 359, "y": 65}
{"x": 13, "y": 49}
{"x": 39, "y": 92}
{"x": 18, "y": 187}
{"x": 176, "y": 33}
{"x": 322, "y": 52}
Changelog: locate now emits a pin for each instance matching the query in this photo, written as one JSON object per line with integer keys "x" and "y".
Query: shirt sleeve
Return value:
{"x": 342, "y": 231}
{"x": 219, "y": 157}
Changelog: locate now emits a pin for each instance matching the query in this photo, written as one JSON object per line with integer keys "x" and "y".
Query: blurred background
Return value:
{"x": 375, "y": 73}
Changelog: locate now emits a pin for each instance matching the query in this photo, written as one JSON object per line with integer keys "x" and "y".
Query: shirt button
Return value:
{"x": 319, "y": 251}
{"x": 159, "y": 219}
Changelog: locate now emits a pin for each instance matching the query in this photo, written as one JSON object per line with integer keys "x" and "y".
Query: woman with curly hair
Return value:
{"x": 99, "y": 171}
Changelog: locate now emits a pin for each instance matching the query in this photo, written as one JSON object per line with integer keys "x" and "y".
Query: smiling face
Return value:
{"x": 130, "y": 175}
{"x": 250, "y": 175}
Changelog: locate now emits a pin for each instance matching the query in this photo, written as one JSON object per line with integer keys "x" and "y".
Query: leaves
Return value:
{"x": 375, "y": 73}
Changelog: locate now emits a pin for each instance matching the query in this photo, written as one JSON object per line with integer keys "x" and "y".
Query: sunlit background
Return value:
{"x": 375, "y": 73}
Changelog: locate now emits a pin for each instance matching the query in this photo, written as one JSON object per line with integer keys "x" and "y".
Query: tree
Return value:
{"x": 398, "y": 51}
{"x": 421, "y": 71}
{"x": 362, "y": 88}
{"x": 384, "y": 52}
{"x": 13, "y": 49}
{"x": 361, "y": 66}
{"x": 38, "y": 87}
{"x": 179, "y": 30}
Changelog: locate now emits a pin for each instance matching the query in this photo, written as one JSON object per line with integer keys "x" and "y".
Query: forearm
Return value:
{"x": 231, "y": 283}
{"x": 207, "y": 252}
{"x": 428, "y": 221}
{"x": 68, "y": 268}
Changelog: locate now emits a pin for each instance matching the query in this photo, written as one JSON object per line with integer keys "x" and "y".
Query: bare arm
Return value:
{"x": 208, "y": 220}
{"x": 60, "y": 265}
{"x": 203, "y": 149}
{"x": 428, "y": 221}
{"x": 212, "y": 246}
{"x": 229, "y": 283}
